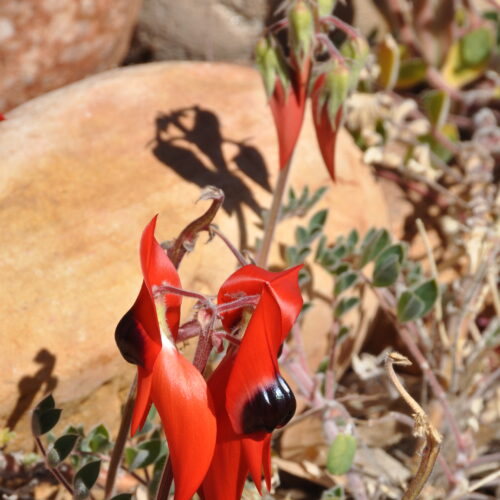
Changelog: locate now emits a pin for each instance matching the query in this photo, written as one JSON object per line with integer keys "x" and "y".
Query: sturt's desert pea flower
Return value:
{"x": 286, "y": 84}
{"x": 328, "y": 95}
{"x": 218, "y": 432}
{"x": 145, "y": 337}
{"x": 251, "y": 397}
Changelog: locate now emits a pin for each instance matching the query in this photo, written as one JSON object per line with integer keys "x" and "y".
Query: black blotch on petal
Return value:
{"x": 272, "y": 406}
{"x": 129, "y": 339}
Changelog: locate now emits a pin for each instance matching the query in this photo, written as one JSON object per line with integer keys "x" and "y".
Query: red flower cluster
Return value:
{"x": 218, "y": 431}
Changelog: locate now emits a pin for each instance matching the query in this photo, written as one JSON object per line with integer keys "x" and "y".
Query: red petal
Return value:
{"x": 288, "y": 113}
{"x": 142, "y": 400}
{"x": 256, "y": 366}
{"x": 157, "y": 269}
{"x": 250, "y": 280}
{"x": 181, "y": 396}
{"x": 226, "y": 476}
{"x": 325, "y": 132}
{"x": 258, "y": 455}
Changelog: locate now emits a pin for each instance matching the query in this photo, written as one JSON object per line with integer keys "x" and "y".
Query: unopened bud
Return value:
{"x": 271, "y": 65}
{"x": 333, "y": 90}
{"x": 356, "y": 51}
{"x": 301, "y": 22}
{"x": 325, "y": 7}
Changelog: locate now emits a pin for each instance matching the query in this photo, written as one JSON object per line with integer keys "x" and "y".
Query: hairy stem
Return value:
{"x": 121, "y": 439}
{"x": 273, "y": 216}
{"x": 54, "y": 471}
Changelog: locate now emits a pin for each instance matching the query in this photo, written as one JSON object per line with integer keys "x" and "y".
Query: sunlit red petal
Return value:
{"x": 226, "y": 476}
{"x": 181, "y": 397}
{"x": 157, "y": 269}
{"x": 326, "y": 131}
{"x": 255, "y": 374}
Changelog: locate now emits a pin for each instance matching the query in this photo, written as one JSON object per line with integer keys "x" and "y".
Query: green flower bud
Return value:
{"x": 271, "y": 65}
{"x": 325, "y": 7}
{"x": 301, "y": 22}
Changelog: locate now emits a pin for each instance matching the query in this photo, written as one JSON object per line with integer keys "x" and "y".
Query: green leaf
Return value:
{"x": 301, "y": 235}
{"x": 412, "y": 71}
{"x": 318, "y": 221}
{"x": 341, "y": 454}
{"x": 61, "y": 449}
{"x": 476, "y": 46}
{"x": 97, "y": 440}
{"x": 335, "y": 493}
{"x": 352, "y": 239}
{"x": 143, "y": 455}
{"x": 410, "y": 306}
{"x": 428, "y": 293}
{"x": 345, "y": 305}
{"x": 42, "y": 421}
{"x": 46, "y": 403}
{"x": 345, "y": 281}
{"x": 122, "y": 496}
{"x": 436, "y": 104}
{"x": 373, "y": 244}
{"x": 85, "y": 479}
{"x": 386, "y": 270}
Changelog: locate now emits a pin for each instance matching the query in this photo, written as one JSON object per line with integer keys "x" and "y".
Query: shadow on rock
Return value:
{"x": 30, "y": 385}
{"x": 189, "y": 141}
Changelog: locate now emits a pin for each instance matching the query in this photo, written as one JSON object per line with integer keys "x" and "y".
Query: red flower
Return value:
{"x": 287, "y": 105}
{"x": 165, "y": 377}
{"x": 220, "y": 432}
{"x": 251, "y": 398}
{"x": 328, "y": 95}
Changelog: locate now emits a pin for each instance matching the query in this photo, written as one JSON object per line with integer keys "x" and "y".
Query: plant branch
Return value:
{"x": 439, "y": 305}
{"x": 423, "y": 428}
{"x": 121, "y": 439}
{"x": 273, "y": 216}
{"x": 54, "y": 471}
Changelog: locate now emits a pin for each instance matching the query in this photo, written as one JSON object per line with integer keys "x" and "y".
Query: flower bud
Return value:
{"x": 301, "y": 22}
{"x": 325, "y": 7}
{"x": 330, "y": 91}
{"x": 271, "y": 64}
{"x": 356, "y": 50}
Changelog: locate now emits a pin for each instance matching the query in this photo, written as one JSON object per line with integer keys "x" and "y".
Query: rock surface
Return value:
{"x": 84, "y": 168}
{"x": 45, "y": 44}
{"x": 223, "y": 30}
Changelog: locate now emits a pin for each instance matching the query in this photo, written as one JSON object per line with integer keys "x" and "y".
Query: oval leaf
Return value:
{"x": 43, "y": 421}
{"x": 410, "y": 306}
{"x": 373, "y": 244}
{"x": 341, "y": 454}
{"x": 386, "y": 270}
{"x": 85, "y": 479}
{"x": 61, "y": 449}
{"x": 344, "y": 281}
{"x": 428, "y": 293}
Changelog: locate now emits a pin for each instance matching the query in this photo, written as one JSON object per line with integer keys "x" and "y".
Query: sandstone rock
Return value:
{"x": 45, "y": 44}
{"x": 85, "y": 167}
{"x": 223, "y": 30}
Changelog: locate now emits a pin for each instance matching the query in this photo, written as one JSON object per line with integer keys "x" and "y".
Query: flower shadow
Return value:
{"x": 190, "y": 142}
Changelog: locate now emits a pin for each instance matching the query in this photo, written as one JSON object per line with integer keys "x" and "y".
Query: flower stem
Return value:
{"x": 273, "y": 216}
{"x": 121, "y": 439}
{"x": 54, "y": 470}
{"x": 423, "y": 427}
